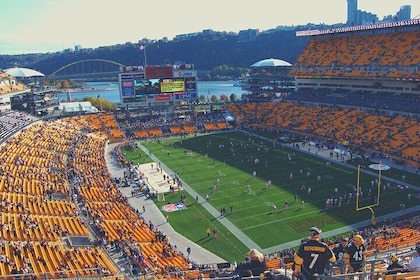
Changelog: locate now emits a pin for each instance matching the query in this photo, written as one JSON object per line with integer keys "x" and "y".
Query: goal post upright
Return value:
{"x": 370, "y": 207}
{"x": 379, "y": 181}
{"x": 358, "y": 188}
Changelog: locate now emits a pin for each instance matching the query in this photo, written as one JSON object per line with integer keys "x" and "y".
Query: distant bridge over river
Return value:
{"x": 88, "y": 70}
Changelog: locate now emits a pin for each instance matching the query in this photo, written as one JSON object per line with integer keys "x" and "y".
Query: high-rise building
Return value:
{"x": 351, "y": 12}
{"x": 404, "y": 13}
{"x": 363, "y": 17}
{"x": 358, "y": 17}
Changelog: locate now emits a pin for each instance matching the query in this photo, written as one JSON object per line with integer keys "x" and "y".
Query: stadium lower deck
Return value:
{"x": 55, "y": 186}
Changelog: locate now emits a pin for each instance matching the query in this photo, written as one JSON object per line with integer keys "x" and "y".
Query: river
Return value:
{"x": 110, "y": 90}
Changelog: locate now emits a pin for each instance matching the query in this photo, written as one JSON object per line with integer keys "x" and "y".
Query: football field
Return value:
{"x": 270, "y": 192}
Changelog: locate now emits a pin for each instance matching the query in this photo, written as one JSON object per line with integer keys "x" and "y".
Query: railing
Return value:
{"x": 95, "y": 273}
{"x": 373, "y": 270}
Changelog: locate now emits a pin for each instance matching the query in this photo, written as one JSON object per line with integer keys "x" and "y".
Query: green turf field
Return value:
{"x": 234, "y": 158}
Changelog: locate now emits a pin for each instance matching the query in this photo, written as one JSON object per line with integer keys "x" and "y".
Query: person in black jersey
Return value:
{"x": 355, "y": 254}
{"x": 395, "y": 266}
{"x": 339, "y": 250}
{"x": 312, "y": 256}
{"x": 253, "y": 266}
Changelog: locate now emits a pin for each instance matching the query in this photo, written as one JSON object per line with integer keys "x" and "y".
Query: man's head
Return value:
{"x": 418, "y": 250}
{"x": 344, "y": 241}
{"x": 358, "y": 240}
{"x": 314, "y": 232}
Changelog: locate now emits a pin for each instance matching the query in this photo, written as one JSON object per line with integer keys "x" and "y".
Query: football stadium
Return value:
{"x": 327, "y": 147}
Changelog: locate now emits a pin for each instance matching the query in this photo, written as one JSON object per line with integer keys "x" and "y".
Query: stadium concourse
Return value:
{"x": 200, "y": 255}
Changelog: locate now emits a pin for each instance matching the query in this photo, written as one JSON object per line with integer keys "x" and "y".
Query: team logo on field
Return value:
{"x": 174, "y": 207}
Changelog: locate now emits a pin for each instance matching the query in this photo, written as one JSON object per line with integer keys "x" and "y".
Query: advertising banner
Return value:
{"x": 172, "y": 86}
{"x": 187, "y": 95}
{"x": 156, "y": 72}
{"x": 190, "y": 84}
{"x": 127, "y": 88}
{"x": 163, "y": 97}
{"x": 179, "y": 73}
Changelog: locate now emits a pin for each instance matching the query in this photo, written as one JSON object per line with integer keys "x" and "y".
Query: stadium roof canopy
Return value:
{"x": 271, "y": 62}
{"x": 23, "y": 72}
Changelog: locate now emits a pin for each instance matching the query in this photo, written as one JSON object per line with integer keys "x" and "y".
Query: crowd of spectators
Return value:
{"x": 384, "y": 55}
{"x": 137, "y": 125}
{"x": 8, "y": 84}
{"x": 365, "y": 131}
{"x": 393, "y": 104}
{"x": 13, "y": 121}
{"x": 63, "y": 157}
{"x": 33, "y": 172}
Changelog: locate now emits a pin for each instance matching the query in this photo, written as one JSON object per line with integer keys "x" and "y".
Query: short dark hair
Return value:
{"x": 418, "y": 249}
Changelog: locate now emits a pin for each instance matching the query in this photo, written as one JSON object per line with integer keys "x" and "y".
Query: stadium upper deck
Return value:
{"x": 382, "y": 58}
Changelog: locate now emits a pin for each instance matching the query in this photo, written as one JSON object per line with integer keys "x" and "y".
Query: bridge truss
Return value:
{"x": 88, "y": 69}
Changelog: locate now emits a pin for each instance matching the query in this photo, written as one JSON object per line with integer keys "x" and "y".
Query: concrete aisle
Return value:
{"x": 153, "y": 214}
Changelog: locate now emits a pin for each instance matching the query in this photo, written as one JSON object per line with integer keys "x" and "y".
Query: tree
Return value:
{"x": 226, "y": 72}
{"x": 233, "y": 97}
{"x": 213, "y": 98}
{"x": 207, "y": 77}
{"x": 65, "y": 84}
{"x": 100, "y": 103}
{"x": 202, "y": 98}
{"x": 223, "y": 97}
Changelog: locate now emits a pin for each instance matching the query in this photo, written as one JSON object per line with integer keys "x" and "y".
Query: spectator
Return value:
{"x": 340, "y": 248}
{"x": 254, "y": 265}
{"x": 312, "y": 256}
{"x": 414, "y": 265}
{"x": 188, "y": 251}
{"x": 395, "y": 266}
{"x": 355, "y": 254}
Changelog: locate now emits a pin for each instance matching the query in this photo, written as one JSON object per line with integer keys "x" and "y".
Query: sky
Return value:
{"x": 40, "y": 26}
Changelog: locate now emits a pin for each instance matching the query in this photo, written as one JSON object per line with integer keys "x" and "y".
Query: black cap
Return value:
{"x": 314, "y": 231}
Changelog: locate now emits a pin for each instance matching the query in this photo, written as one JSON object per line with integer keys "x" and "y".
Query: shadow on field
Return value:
{"x": 204, "y": 240}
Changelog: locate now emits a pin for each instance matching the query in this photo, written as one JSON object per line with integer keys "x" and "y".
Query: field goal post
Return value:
{"x": 161, "y": 196}
{"x": 370, "y": 207}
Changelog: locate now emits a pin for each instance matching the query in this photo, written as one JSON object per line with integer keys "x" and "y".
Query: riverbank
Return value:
{"x": 88, "y": 89}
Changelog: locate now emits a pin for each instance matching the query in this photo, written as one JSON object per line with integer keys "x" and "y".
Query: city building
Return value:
{"x": 358, "y": 17}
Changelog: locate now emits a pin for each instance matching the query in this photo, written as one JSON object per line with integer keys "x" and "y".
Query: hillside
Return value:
{"x": 204, "y": 51}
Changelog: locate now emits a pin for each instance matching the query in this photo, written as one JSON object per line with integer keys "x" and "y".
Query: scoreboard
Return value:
{"x": 156, "y": 84}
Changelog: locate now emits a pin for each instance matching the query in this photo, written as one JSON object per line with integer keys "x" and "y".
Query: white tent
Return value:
{"x": 77, "y": 107}
{"x": 23, "y": 72}
{"x": 271, "y": 62}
